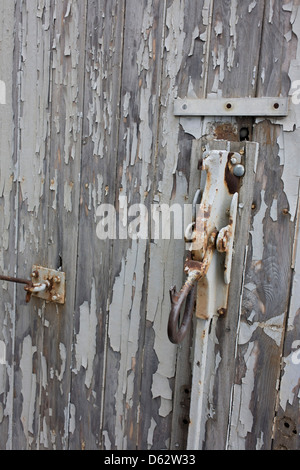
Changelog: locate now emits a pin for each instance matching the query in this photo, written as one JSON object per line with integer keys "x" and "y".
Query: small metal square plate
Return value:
{"x": 56, "y": 291}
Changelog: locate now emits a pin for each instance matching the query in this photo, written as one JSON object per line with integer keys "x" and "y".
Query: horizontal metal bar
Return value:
{"x": 232, "y": 107}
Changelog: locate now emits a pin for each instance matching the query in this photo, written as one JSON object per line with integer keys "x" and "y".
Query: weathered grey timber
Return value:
{"x": 88, "y": 119}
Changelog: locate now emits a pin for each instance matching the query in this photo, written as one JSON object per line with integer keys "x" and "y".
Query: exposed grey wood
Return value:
{"x": 68, "y": 20}
{"x": 101, "y": 118}
{"x": 268, "y": 273}
{"x": 286, "y": 429}
{"x": 125, "y": 412}
{"x": 8, "y": 225}
{"x": 229, "y": 62}
{"x": 32, "y": 61}
{"x": 89, "y": 119}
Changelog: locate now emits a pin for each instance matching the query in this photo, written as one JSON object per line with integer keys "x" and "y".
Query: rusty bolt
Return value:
{"x": 57, "y": 280}
{"x": 222, "y": 311}
{"x": 285, "y": 211}
{"x": 35, "y": 274}
{"x": 56, "y": 297}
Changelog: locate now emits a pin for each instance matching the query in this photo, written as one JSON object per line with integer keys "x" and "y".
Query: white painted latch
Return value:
{"x": 275, "y": 107}
{"x": 211, "y": 238}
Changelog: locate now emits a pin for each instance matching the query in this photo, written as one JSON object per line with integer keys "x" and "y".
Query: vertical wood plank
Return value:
{"x": 101, "y": 115}
{"x": 68, "y": 19}
{"x": 8, "y": 222}
{"x": 268, "y": 273}
{"x": 32, "y": 61}
{"x": 140, "y": 89}
{"x": 286, "y": 429}
{"x": 183, "y": 75}
{"x": 229, "y": 59}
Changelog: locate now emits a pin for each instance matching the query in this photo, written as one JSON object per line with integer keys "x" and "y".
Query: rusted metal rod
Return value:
{"x": 16, "y": 280}
{"x": 177, "y": 334}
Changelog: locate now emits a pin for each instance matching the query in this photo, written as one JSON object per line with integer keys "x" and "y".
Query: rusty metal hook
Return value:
{"x": 176, "y": 335}
{"x": 195, "y": 270}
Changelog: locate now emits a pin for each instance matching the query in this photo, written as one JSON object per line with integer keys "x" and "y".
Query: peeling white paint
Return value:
{"x": 124, "y": 325}
{"x": 68, "y": 196}
{"x": 252, "y": 6}
{"x": 273, "y": 327}
{"x": 274, "y": 210}
{"x": 242, "y": 417}
{"x": 258, "y": 230}
{"x": 290, "y": 380}
{"x": 2, "y": 92}
{"x": 28, "y": 386}
{"x": 86, "y": 338}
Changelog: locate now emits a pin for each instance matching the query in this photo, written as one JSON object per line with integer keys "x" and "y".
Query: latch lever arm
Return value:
{"x": 195, "y": 271}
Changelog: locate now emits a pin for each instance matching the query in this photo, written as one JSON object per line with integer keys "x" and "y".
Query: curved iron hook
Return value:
{"x": 177, "y": 334}
{"x": 196, "y": 270}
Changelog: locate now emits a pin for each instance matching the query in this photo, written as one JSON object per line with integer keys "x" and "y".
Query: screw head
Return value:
{"x": 239, "y": 170}
{"x": 234, "y": 160}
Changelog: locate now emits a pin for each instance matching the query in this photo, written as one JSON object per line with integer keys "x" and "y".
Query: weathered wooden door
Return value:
{"x": 87, "y": 90}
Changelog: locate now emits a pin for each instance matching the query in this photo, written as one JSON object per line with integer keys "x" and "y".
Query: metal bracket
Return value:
{"x": 54, "y": 282}
{"x": 273, "y": 107}
{"x": 208, "y": 266}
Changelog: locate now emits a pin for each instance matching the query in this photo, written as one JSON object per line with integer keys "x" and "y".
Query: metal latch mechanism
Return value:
{"x": 211, "y": 238}
{"x": 46, "y": 284}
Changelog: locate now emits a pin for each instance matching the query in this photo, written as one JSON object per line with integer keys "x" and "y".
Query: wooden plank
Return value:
{"x": 31, "y": 119}
{"x": 286, "y": 429}
{"x": 68, "y": 19}
{"x": 268, "y": 274}
{"x": 230, "y": 21}
{"x": 166, "y": 388}
{"x": 215, "y": 339}
{"x": 124, "y": 414}
{"x": 235, "y": 45}
{"x": 286, "y": 424}
{"x": 8, "y": 222}
{"x": 101, "y": 118}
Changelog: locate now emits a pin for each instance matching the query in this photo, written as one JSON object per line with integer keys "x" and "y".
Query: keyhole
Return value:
{"x": 244, "y": 134}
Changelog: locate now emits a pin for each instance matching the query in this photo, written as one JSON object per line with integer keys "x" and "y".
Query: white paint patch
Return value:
{"x": 68, "y": 196}
{"x": 63, "y": 356}
{"x": 273, "y": 327}
{"x": 2, "y": 92}
{"x": 242, "y": 417}
{"x": 258, "y": 230}
{"x": 290, "y": 379}
{"x": 2, "y": 353}
{"x": 28, "y": 386}
{"x": 252, "y": 6}
{"x": 124, "y": 326}
{"x": 274, "y": 210}
{"x": 86, "y": 338}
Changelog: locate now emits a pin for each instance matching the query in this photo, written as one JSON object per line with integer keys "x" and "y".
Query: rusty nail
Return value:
{"x": 285, "y": 211}
{"x": 57, "y": 279}
{"x": 35, "y": 274}
{"x": 222, "y": 311}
